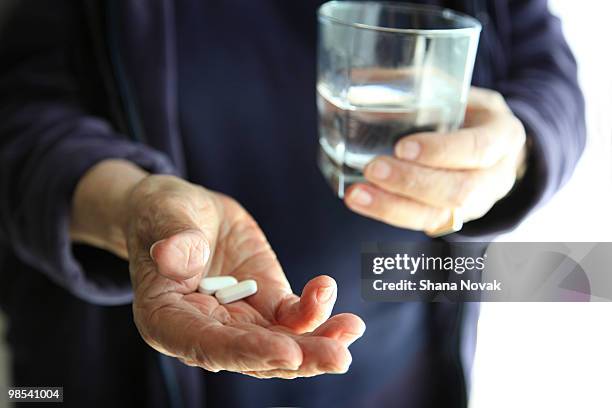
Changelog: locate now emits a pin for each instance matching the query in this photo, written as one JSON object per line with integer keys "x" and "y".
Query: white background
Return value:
{"x": 555, "y": 355}
{"x": 560, "y": 355}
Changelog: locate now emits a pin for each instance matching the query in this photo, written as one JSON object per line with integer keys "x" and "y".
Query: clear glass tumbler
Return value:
{"x": 387, "y": 70}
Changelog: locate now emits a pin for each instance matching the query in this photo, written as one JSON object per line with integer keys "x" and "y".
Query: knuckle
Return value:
{"x": 433, "y": 148}
{"x": 152, "y": 186}
{"x": 170, "y": 202}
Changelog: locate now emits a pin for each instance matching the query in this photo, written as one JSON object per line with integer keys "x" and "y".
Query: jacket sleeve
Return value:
{"x": 541, "y": 88}
{"x": 48, "y": 140}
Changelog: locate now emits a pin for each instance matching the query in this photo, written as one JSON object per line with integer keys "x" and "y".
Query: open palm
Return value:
{"x": 179, "y": 233}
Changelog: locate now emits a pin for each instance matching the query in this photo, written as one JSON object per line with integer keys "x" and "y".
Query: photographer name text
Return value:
{"x": 426, "y": 284}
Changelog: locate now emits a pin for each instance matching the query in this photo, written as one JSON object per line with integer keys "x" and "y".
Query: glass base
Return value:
{"x": 338, "y": 177}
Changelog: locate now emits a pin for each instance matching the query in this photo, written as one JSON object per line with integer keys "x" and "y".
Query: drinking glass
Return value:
{"x": 387, "y": 70}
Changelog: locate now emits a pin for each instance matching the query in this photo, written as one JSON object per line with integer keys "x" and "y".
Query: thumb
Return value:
{"x": 182, "y": 255}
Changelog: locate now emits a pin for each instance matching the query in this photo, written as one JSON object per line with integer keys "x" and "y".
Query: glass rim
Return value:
{"x": 474, "y": 26}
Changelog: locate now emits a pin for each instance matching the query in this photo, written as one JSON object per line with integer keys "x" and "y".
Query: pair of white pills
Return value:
{"x": 227, "y": 289}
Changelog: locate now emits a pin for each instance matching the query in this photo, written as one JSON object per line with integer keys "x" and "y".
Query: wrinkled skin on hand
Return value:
{"x": 176, "y": 234}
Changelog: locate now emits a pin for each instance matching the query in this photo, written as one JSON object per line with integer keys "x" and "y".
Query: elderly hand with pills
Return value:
{"x": 174, "y": 234}
{"x": 177, "y": 233}
{"x": 435, "y": 182}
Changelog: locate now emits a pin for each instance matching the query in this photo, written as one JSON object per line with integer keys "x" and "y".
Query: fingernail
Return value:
{"x": 361, "y": 197}
{"x": 325, "y": 294}
{"x": 153, "y": 247}
{"x": 381, "y": 170}
{"x": 409, "y": 150}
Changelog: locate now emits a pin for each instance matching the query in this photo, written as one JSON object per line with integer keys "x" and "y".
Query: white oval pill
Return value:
{"x": 209, "y": 286}
{"x": 239, "y": 291}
